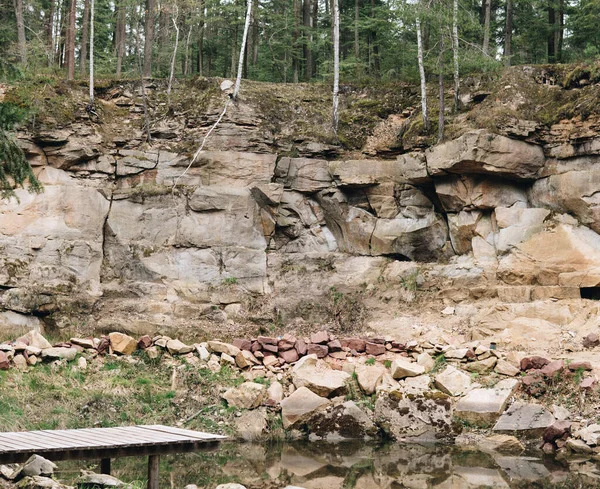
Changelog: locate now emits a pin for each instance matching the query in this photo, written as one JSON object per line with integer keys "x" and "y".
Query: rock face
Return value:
{"x": 317, "y": 376}
{"x": 297, "y": 408}
{"x": 342, "y": 422}
{"x": 527, "y": 419}
{"x": 484, "y": 406}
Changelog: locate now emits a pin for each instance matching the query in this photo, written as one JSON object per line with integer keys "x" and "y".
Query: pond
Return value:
{"x": 353, "y": 466}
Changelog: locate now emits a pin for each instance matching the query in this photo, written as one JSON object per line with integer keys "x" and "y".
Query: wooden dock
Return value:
{"x": 106, "y": 443}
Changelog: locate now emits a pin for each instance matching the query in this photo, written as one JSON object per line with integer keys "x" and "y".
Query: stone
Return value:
{"x": 152, "y": 352}
{"x": 82, "y": 363}
{"x": 251, "y": 425}
{"x": 452, "y": 381}
{"x": 535, "y": 362}
{"x": 40, "y": 482}
{"x": 578, "y": 446}
{"x": 287, "y": 342}
{"x": 20, "y": 362}
{"x": 426, "y": 361}
{"x": 4, "y": 361}
{"x": 245, "y": 359}
{"x": 35, "y": 465}
{"x": 525, "y": 418}
{"x": 122, "y": 343}
{"x": 584, "y": 366}
{"x": 374, "y": 348}
{"x": 590, "y": 434}
{"x": 90, "y": 480}
{"x": 591, "y": 340}
{"x": 275, "y": 392}
{"x": 68, "y": 354}
{"x": 553, "y": 368}
{"x": 425, "y": 417}
{"x": 320, "y": 337}
{"x": 341, "y": 422}
{"x": 319, "y": 377}
{"x": 369, "y": 377}
{"x": 289, "y": 356}
{"x": 482, "y": 366}
{"x": 249, "y": 395}
{"x": 270, "y": 360}
{"x": 557, "y": 430}
{"x": 176, "y": 347}
{"x": 404, "y": 368}
{"x": 300, "y": 347}
{"x": 83, "y": 342}
{"x": 334, "y": 345}
{"x": 356, "y": 344}
{"x": 501, "y": 444}
{"x": 321, "y": 351}
{"x": 230, "y": 485}
{"x": 203, "y": 352}
{"x": 506, "y": 368}
{"x": 242, "y": 344}
{"x": 227, "y": 359}
{"x": 482, "y": 152}
{"x": 415, "y": 385}
{"x": 35, "y": 339}
{"x": 299, "y": 406}
{"x": 560, "y": 413}
{"x": 484, "y": 406}
{"x": 221, "y": 347}
{"x": 144, "y": 342}
{"x": 586, "y": 383}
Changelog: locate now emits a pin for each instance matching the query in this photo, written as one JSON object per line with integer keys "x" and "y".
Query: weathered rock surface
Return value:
{"x": 484, "y": 406}
{"x": 317, "y": 376}
{"x": 526, "y": 419}
{"x": 452, "y": 381}
{"x": 249, "y": 395}
{"x": 342, "y": 422}
{"x": 297, "y": 408}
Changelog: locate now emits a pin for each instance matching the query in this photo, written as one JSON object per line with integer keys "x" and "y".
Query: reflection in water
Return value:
{"x": 357, "y": 466}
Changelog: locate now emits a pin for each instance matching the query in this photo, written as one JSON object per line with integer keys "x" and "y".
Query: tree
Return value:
{"x": 421, "y": 62}
{"x": 508, "y": 28}
{"x": 120, "y": 35}
{"x": 336, "y": 64}
{"x": 238, "y": 80}
{"x": 84, "y": 37}
{"x": 70, "y": 41}
{"x": 92, "y": 9}
{"x": 455, "y": 56}
{"x": 486, "y": 26}
{"x": 148, "y": 37}
{"x": 22, "y": 41}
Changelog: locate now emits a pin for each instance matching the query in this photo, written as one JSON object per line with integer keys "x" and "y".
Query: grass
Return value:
{"x": 116, "y": 391}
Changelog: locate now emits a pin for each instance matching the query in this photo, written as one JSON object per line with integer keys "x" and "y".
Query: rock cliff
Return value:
{"x": 279, "y": 222}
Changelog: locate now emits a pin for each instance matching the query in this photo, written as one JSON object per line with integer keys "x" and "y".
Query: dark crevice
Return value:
{"x": 592, "y": 293}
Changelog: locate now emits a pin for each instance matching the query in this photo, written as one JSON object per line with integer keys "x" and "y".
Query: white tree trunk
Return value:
{"x": 238, "y": 80}
{"x": 336, "y": 63}
{"x": 455, "y": 54}
{"x": 486, "y": 26}
{"x": 422, "y": 76}
{"x": 173, "y": 58}
{"x": 91, "y": 53}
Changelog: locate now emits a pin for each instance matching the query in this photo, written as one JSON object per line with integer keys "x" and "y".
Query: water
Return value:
{"x": 354, "y": 466}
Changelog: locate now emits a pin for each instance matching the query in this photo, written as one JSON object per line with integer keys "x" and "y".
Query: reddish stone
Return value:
{"x": 79, "y": 348}
{"x": 591, "y": 340}
{"x": 535, "y": 362}
{"x": 145, "y": 342}
{"x": 334, "y": 345}
{"x": 378, "y": 339}
{"x": 534, "y": 383}
{"x": 574, "y": 366}
{"x": 557, "y": 430}
{"x": 270, "y": 360}
{"x": 63, "y": 344}
{"x": 287, "y": 342}
{"x": 271, "y": 348}
{"x": 375, "y": 348}
{"x": 320, "y": 350}
{"x": 548, "y": 448}
{"x": 289, "y": 356}
{"x": 256, "y": 346}
{"x": 553, "y": 368}
{"x": 320, "y": 337}
{"x": 470, "y": 354}
{"x": 4, "y": 363}
{"x": 242, "y": 344}
{"x": 560, "y": 443}
{"x": 355, "y": 344}
{"x": 399, "y": 346}
{"x": 300, "y": 347}
{"x": 267, "y": 340}
{"x": 103, "y": 345}
{"x": 587, "y": 383}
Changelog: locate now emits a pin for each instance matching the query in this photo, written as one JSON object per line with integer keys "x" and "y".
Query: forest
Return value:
{"x": 291, "y": 41}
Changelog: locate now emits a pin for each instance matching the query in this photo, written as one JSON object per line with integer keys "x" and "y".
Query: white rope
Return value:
{"x": 202, "y": 145}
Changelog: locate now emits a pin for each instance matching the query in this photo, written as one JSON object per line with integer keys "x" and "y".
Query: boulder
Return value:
{"x": 484, "y": 406}
{"x": 452, "y": 381}
{"x": 221, "y": 347}
{"x": 59, "y": 353}
{"x": 557, "y": 430}
{"x": 590, "y": 434}
{"x": 482, "y": 366}
{"x": 176, "y": 347}
{"x": 275, "y": 393}
{"x": 426, "y": 361}
{"x": 524, "y": 418}
{"x": 35, "y": 465}
{"x": 251, "y": 425}
{"x": 505, "y": 368}
{"x": 122, "y": 343}
{"x": 501, "y": 444}
{"x": 341, "y": 422}
{"x": 303, "y": 174}
{"x": 405, "y": 368}
{"x": 36, "y": 340}
{"x": 423, "y": 417}
{"x": 299, "y": 406}
{"x": 483, "y": 152}
{"x": 91, "y": 481}
{"x": 249, "y": 395}
{"x": 230, "y": 485}
{"x": 369, "y": 377}
{"x": 4, "y": 361}
{"x": 579, "y": 446}
{"x": 319, "y": 377}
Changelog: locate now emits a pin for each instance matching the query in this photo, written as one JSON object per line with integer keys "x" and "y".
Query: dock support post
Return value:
{"x": 153, "y": 465}
{"x": 105, "y": 466}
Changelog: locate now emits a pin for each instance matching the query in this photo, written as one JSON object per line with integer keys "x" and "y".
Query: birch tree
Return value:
{"x": 91, "y": 54}
{"x": 421, "y": 63}
{"x": 486, "y": 26}
{"x": 21, "y": 40}
{"x": 455, "y": 56}
{"x": 238, "y": 80}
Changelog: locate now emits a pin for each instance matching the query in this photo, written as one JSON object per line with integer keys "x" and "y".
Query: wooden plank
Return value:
{"x": 19, "y": 442}
{"x": 196, "y": 435}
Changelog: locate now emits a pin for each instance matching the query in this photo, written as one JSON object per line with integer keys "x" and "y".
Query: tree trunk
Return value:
{"x": 70, "y": 41}
{"x": 357, "y": 37}
{"x": 426, "y": 124}
{"x": 486, "y": 26}
{"x": 559, "y": 31}
{"x": 49, "y": 27}
{"x": 201, "y": 38}
{"x": 295, "y": 36}
{"x": 92, "y": 54}
{"x": 238, "y": 80}
{"x": 336, "y": 64}
{"x": 314, "y": 25}
{"x": 85, "y": 32}
{"x": 441, "y": 120}
{"x": 455, "y": 56}
{"x": 174, "y": 58}
{"x": 255, "y": 33}
{"x": 306, "y": 44}
{"x": 551, "y": 32}
{"x": 21, "y": 40}
{"x": 374, "y": 45}
{"x": 508, "y": 28}
{"x": 149, "y": 37}
{"x": 120, "y": 35}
